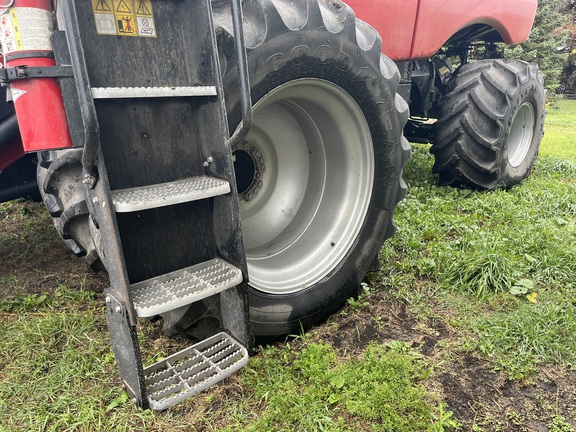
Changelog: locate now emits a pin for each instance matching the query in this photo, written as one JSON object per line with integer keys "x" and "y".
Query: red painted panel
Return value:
{"x": 40, "y": 110}
{"x": 393, "y": 19}
{"x": 438, "y": 20}
{"x": 410, "y": 30}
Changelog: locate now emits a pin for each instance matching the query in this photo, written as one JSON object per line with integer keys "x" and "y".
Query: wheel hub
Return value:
{"x": 248, "y": 168}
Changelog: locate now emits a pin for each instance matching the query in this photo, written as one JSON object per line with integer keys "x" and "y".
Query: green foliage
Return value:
{"x": 529, "y": 336}
{"x": 486, "y": 253}
{"x": 363, "y": 300}
{"x": 308, "y": 390}
{"x": 62, "y": 297}
{"x": 559, "y": 424}
{"x": 543, "y": 46}
{"x": 58, "y": 374}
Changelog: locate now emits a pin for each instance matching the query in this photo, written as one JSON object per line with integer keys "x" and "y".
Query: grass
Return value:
{"x": 476, "y": 246}
{"x": 476, "y": 290}
{"x": 312, "y": 390}
{"x": 58, "y": 373}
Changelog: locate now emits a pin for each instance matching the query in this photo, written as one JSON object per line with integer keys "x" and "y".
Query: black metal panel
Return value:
{"x": 151, "y": 141}
{"x": 180, "y": 55}
{"x": 162, "y": 240}
{"x": 148, "y": 141}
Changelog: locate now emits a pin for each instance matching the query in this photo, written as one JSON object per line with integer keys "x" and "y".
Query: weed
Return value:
{"x": 363, "y": 300}
{"x": 559, "y": 424}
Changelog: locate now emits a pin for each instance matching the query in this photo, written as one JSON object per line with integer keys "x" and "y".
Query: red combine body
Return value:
{"x": 415, "y": 29}
{"x": 234, "y": 167}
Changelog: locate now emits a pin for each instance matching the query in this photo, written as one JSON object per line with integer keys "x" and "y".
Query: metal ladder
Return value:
{"x": 146, "y": 104}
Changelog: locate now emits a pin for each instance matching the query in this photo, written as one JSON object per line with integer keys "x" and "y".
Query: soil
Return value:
{"x": 479, "y": 397}
{"x": 33, "y": 260}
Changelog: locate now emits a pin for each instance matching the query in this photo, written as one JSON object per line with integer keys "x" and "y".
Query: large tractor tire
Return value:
{"x": 491, "y": 124}
{"x": 319, "y": 174}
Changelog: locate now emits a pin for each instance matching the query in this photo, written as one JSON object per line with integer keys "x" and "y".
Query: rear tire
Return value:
{"x": 320, "y": 170}
{"x": 59, "y": 179}
{"x": 491, "y": 124}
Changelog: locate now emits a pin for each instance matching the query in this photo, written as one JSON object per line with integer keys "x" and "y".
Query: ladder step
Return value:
{"x": 192, "y": 370}
{"x": 151, "y": 92}
{"x": 165, "y": 194}
{"x": 181, "y": 287}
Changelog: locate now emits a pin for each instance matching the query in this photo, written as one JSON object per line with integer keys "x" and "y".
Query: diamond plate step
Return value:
{"x": 192, "y": 370}
{"x": 165, "y": 194}
{"x": 179, "y": 288}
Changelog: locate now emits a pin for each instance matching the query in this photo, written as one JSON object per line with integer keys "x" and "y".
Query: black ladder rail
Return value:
{"x": 246, "y": 99}
{"x": 87, "y": 108}
{"x": 98, "y": 188}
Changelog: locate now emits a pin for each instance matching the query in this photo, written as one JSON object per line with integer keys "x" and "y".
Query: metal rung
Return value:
{"x": 165, "y": 194}
{"x": 170, "y": 291}
{"x": 192, "y": 370}
{"x": 151, "y": 92}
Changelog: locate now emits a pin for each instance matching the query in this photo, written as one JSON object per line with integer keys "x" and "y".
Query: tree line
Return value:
{"x": 552, "y": 44}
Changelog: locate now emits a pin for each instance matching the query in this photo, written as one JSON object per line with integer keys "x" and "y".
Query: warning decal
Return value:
{"x": 123, "y": 8}
{"x": 144, "y": 9}
{"x": 102, "y": 6}
{"x": 35, "y": 36}
{"x": 124, "y": 17}
{"x": 145, "y": 18}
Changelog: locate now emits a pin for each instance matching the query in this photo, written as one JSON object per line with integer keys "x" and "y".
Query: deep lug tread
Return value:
{"x": 470, "y": 124}
{"x": 62, "y": 192}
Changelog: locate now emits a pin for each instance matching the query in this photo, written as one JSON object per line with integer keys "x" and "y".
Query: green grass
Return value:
{"x": 313, "y": 390}
{"x": 58, "y": 373}
{"x": 560, "y": 140}
{"x": 30, "y": 233}
{"x": 56, "y": 368}
{"x": 528, "y": 336}
{"x": 488, "y": 251}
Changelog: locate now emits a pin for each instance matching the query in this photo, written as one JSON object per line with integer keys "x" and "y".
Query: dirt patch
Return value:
{"x": 33, "y": 257}
{"x": 479, "y": 397}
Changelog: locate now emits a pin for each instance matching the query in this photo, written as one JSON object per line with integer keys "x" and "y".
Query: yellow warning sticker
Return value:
{"x": 124, "y": 17}
{"x": 144, "y": 8}
{"x": 145, "y": 18}
{"x": 102, "y": 6}
{"x": 104, "y": 17}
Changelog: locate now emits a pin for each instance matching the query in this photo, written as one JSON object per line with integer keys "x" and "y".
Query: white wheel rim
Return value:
{"x": 310, "y": 185}
{"x": 521, "y": 134}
